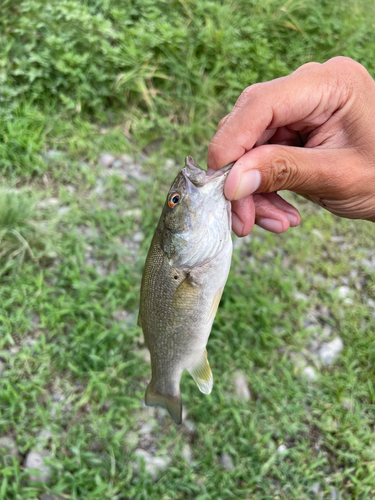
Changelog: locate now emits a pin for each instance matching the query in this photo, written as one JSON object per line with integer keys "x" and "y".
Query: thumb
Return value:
{"x": 331, "y": 174}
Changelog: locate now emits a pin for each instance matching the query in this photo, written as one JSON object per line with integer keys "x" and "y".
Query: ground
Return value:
{"x": 86, "y": 169}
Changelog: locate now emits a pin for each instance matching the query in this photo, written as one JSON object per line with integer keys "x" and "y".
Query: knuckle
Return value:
{"x": 279, "y": 172}
{"x": 349, "y": 71}
{"x": 248, "y": 94}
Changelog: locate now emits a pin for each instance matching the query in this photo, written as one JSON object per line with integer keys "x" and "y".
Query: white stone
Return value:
{"x": 334, "y": 494}
{"x": 153, "y": 465}
{"x": 147, "y": 427}
{"x": 318, "y": 233}
{"x": 190, "y": 425}
{"x": 8, "y": 447}
{"x": 106, "y": 160}
{"x": 301, "y": 296}
{"x": 63, "y": 210}
{"x": 329, "y": 351}
{"x": 315, "y": 489}
{"x": 282, "y": 449}
{"x": 242, "y": 388}
{"x": 127, "y": 158}
{"x": 169, "y": 163}
{"x": 40, "y": 472}
{"x": 226, "y": 461}
{"x": 347, "y": 404}
{"x": 309, "y": 373}
{"x": 138, "y": 237}
{"x": 187, "y": 453}
{"x": 343, "y": 292}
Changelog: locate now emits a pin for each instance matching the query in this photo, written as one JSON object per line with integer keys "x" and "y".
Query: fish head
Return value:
{"x": 196, "y": 217}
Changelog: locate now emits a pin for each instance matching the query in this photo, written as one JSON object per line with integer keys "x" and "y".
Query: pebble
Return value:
{"x": 187, "y": 453}
{"x": 63, "y": 210}
{"x": 190, "y": 425}
{"x": 138, "y": 237}
{"x": 343, "y": 292}
{"x": 48, "y": 203}
{"x": 309, "y": 374}
{"x": 35, "y": 460}
{"x": 53, "y": 155}
{"x": 147, "y": 427}
{"x": 132, "y": 440}
{"x": 301, "y": 296}
{"x": 106, "y": 160}
{"x": 337, "y": 239}
{"x": 117, "y": 164}
{"x": 242, "y": 388}
{"x": 329, "y": 351}
{"x": 299, "y": 360}
{"x": 8, "y": 447}
{"x": 347, "y": 404}
{"x": 169, "y": 164}
{"x": 153, "y": 465}
{"x": 318, "y": 234}
{"x": 127, "y": 159}
{"x": 135, "y": 213}
{"x": 282, "y": 449}
{"x": 226, "y": 461}
{"x": 315, "y": 489}
{"x": 335, "y": 495}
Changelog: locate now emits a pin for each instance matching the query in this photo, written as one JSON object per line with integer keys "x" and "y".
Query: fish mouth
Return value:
{"x": 223, "y": 172}
{"x": 199, "y": 177}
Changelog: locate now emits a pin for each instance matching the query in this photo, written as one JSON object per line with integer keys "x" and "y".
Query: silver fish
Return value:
{"x": 184, "y": 276}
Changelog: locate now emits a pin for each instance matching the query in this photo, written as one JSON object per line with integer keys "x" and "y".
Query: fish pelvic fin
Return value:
{"x": 201, "y": 373}
{"x": 172, "y": 404}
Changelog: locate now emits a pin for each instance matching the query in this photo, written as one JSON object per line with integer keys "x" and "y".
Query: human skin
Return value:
{"x": 312, "y": 132}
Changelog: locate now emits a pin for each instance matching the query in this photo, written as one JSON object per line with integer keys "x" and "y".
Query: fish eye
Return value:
{"x": 174, "y": 199}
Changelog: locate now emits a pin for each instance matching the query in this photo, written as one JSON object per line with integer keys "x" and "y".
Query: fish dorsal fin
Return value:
{"x": 201, "y": 373}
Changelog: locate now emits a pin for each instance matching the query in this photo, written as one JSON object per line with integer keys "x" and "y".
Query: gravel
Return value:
{"x": 282, "y": 449}
{"x": 242, "y": 388}
{"x": 106, "y": 160}
{"x": 344, "y": 292}
{"x": 187, "y": 453}
{"x": 8, "y": 447}
{"x": 309, "y": 374}
{"x": 329, "y": 351}
{"x": 39, "y": 470}
{"x": 153, "y": 465}
{"x": 226, "y": 461}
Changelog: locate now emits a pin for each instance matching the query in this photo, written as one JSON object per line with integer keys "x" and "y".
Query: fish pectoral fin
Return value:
{"x": 201, "y": 373}
{"x": 172, "y": 404}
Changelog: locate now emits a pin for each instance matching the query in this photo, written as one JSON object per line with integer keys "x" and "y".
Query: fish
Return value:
{"x": 185, "y": 272}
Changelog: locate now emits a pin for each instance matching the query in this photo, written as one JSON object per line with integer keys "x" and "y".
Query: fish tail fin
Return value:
{"x": 201, "y": 373}
{"x": 171, "y": 403}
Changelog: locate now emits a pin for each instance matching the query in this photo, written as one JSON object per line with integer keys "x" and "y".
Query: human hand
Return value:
{"x": 312, "y": 132}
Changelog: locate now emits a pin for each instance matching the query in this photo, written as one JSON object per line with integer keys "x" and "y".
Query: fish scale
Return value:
{"x": 184, "y": 275}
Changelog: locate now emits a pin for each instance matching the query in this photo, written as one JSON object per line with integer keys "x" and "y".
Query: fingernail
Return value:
{"x": 249, "y": 182}
{"x": 293, "y": 219}
{"x": 275, "y": 226}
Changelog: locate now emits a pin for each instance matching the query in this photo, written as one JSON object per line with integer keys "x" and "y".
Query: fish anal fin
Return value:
{"x": 201, "y": 373}
{"x": 172, "y": 404}
{"x": 215, "y": 304}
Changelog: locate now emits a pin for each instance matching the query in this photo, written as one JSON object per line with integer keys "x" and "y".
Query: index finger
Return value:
{"x": 303, "y": 101}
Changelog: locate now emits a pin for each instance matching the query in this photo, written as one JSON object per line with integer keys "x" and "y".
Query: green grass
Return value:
{"x": 82, "y": 78}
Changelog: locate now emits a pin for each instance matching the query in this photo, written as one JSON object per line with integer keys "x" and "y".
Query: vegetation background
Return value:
{"x": 150, "y": 79}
